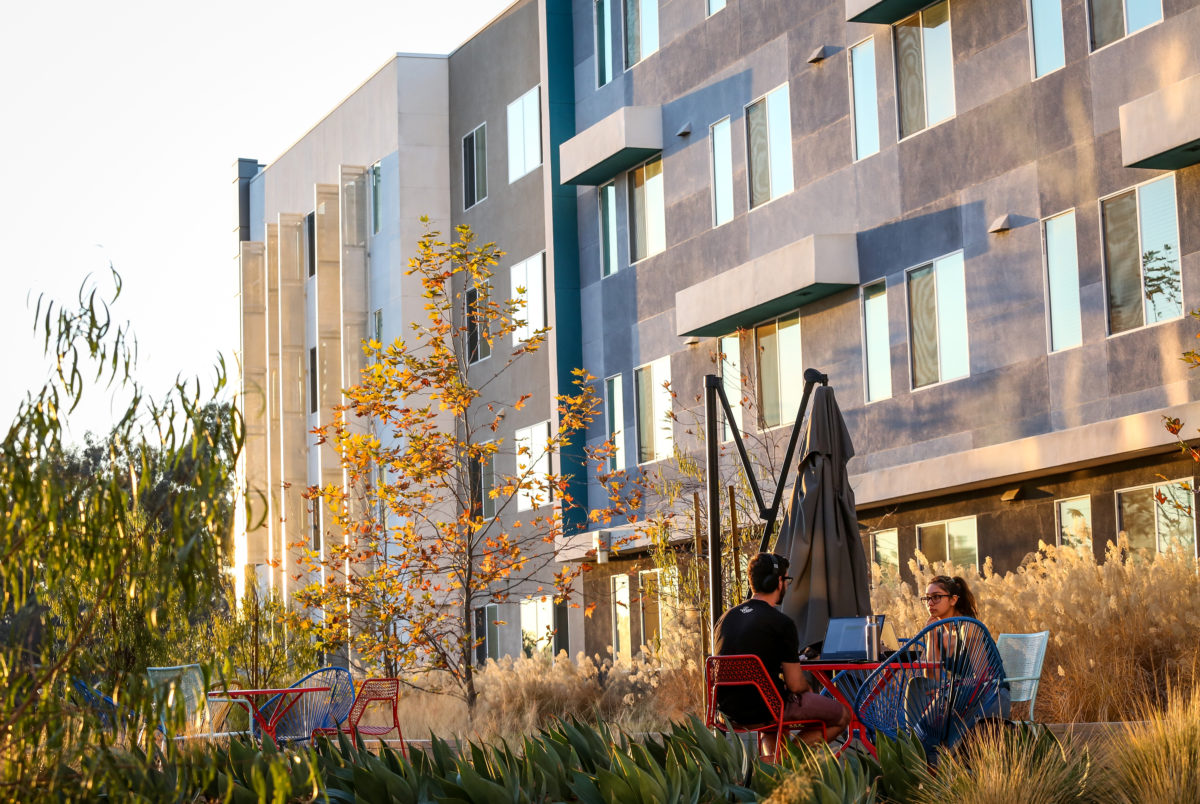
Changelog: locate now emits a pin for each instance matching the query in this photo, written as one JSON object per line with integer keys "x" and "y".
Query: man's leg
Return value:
{"x": 811, "y": 706}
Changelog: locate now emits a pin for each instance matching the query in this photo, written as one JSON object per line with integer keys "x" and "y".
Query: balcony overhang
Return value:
{"x": 1162, "y": 130}
{"x": 630, "y": 135}
{"x": 787, "y": 278}
{"x": 884, "y": 12}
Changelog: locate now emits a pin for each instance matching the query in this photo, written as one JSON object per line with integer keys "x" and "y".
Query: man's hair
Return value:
{"x": 762, "y": 568}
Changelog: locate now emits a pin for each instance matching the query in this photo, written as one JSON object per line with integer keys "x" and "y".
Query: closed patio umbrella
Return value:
{"x": 819, "y": 534}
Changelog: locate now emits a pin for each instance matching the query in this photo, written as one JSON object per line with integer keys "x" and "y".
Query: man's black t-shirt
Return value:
{"x": 758, "y": 628}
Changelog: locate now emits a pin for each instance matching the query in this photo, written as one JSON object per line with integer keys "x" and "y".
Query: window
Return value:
{"x": 780, "y": 380}
{"x": 954, "y": 540}
{"x": 604, "y": 41}
{"x": 537, "y": 625}
{"x": 614, "y": 415}
{"x": 533, "y": 466}
{"x": 1114, "y": 19}
{"x": 641, "y": 30}
{"x": 937, "y": 321}
{"x": 1158, "y": 517}
{"x": 376, "y": 198}
{"x": 487, "y": 633}
{"x": 312, "y": 380}
{"x": 730, "y": 347}
{"x": 647, "y": 227}
{"x": 316, "y": 528}
{"x": 622, "y": 639}
{"x": 310, "y": 242}
{"x": 769, "y": 144}
{"x": 482, "y": 481}
{"x": 1046, "y": 28}
{"x": 524, "y": 134}
{"x": 608, "y": 229}
{"x": 652, "y": 400}
{"x": 877, "y": 347}
{"x": 884, "y": 549}
{"x": 528, "y": 279}
{"x": 722, "y": 172}
{"x": 1074, "y": 518}
{"x": 714, "y": 6}
{"x": 377, "y": 325}
{"x": 865, "y": 100}
{"x": 649, "y": 605}
{"x": 479, "y": 343}
{"x": 1062, "y": 281}
{"x": 1141, "y": 256}
{"x": 924, "y": 69}
{"x": 475, "y": 167}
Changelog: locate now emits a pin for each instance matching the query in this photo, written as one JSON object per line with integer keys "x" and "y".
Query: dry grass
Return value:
{"x": 1122, "y": 632}
{"x": 1158, "y": 759}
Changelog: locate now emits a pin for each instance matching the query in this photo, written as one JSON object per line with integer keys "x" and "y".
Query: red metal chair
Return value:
{"x": 373, "y": 690}
{"x": 748, "y": 671}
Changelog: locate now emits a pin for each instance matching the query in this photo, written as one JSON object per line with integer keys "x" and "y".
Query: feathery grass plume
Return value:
{"x": 795, "y": 788}
{"x": 1001, "y": 765}
{"x": 1120, "y": 629}
{"x": 1158, "y": 759}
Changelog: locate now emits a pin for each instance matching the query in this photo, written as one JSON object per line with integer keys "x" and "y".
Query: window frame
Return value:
{"x": 866, "y": 363}
{"x": 614, "y": 251}
{"x": 735, "y": 403}
{"x": 630, "y": 227}
{"x": 481, "y": 499}
{"x": 900, "y": 135}
{"x": 1033, "y": 68}
{"x": 475, "y": 148}
{"x": 708, "y": 8}
{"x": 1087, "y": 16}
{"x": 1141, "y": 266}
{"x": 908, "y": 316}
{"x": 643, "y": 54}
{"x": 525, "y": 332}
{"x": 712, "y": 167}
{"x": 1120, "y": 525}
{"x": 657, "y": 393}
{"x": 785, "y": 419}
{"x": 1058, "y": 525}
{"x": 873, "y": 553}
{"x": 619, "y": 651}
{"x": 642, "y": 575}
{"x": 854, "y": 104}
{"x": 614, "y": 408}
{"x": 610, "y": 30}
{"x": 1047, "y": 297}
{"x": 521, "y": 99}
{"x": 750, "y": 205}
{"x": 529, "y": 500}
{"x": 947, "y": 523}
{"x": 483, "y": 348}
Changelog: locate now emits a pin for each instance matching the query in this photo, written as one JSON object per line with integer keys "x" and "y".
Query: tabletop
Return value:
{"x": 268, "y": 691}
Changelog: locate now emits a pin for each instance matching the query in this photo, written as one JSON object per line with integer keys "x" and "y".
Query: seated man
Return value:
{"x": 758, "y": 627}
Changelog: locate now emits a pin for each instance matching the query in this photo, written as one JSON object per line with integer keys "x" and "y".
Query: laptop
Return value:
{"x": 846, "y": 639}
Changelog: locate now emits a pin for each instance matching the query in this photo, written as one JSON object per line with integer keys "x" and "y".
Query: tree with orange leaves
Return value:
{"x": 428, "y": 524}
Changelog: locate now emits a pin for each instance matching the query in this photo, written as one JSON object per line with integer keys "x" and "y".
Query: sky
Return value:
{"x": 120, "y": 126}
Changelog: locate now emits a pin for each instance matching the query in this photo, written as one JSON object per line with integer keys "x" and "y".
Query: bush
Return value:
{"x": 1122, "y": 632}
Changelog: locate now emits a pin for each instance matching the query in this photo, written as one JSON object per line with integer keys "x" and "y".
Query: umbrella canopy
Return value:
{"x": 819, "y": 534}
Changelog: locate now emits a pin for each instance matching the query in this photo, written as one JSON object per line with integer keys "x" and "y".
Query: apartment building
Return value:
{"x": 981, "y": 218}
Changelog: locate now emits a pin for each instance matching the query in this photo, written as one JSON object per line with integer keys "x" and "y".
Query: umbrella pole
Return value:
{"x": 712, "y": 386}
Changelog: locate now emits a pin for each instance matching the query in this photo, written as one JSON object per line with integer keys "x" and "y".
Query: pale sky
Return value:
{"x": 120, "y": 124}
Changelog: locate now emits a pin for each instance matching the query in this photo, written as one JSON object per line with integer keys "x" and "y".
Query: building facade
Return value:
{"x": 981, "y": 218}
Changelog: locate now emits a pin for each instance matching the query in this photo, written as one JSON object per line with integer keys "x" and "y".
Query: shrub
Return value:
{"x": 1158, "y": 758}
{"x": 1121, "y": 631}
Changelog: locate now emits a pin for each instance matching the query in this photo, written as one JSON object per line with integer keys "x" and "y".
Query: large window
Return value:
{"x": 487, "y": 633}
{"x": 603, "y": 20}
{"x": 641, "y": 30}
{"x": 866, "y": 99}
{"x": 608, "y": 229}
{"x": 769, "y": 146}
{"x": 475, "y": 167}
{"x": 730, "y": 347}
{"x": 652, "y": 400}
{"x": 1159, "y": 517}
{"x": 524, "y": 134}
{"x": 722, "y": 172}
{"x": 937, "y": 321}
{"x": 877, "y": 349}
{"x": 537, "y": 626}
{"x": 780, "y": 377}
{"x": 953, "y": 540}
{"x": 1046, "y": 28}
{"x": 528, "y": 282}
{"x": 1062, "y": 281}
{"x": 533, "y": 466}
{"x": 1074, "y": 520}
{"x": 647, "y": 224}
{"x": 924, "y": 69}
{"x": 479, "y": 343}
{"x": 1113, "y": 19}
{"x": 482, "y": 481}
{"x": 883, "y": 547}
{"x": 622, "y": 638}
{"x": 1141, "y": 256}
{"x": 614, "y": 416}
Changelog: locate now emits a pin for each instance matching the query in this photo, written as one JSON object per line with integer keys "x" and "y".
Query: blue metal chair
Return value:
{"x": 106, "y": 710}
{"x": 321, "y": 710}
{"x": 1023, "y": 655}
{"x": 945, "y": 679}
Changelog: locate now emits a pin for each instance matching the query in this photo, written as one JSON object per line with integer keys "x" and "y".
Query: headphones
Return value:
{"x": 772, "y": 581}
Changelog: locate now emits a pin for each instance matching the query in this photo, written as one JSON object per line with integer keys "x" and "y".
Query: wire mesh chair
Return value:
{"x": 1023, "y": 655}
{"x": 106, "y": 710}
{"x": 378, "y": 691}
{"x": 951, "y": 676}
{"x": 747, "y": 670}
{"x": 312, "y": 711}
{"x": 182, "y": 689}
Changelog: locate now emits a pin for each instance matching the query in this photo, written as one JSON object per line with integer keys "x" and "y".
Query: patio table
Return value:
{"x": 287, "y": 699}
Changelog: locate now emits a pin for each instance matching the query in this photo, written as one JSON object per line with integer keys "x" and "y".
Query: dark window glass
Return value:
{"x": 1122, "y": 263}
{"x": 312, "y": 380}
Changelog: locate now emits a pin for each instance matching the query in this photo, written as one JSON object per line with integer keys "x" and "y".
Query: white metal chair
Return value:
{"x": 183, "y": 686}
{"x": 1023, "y": 655}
